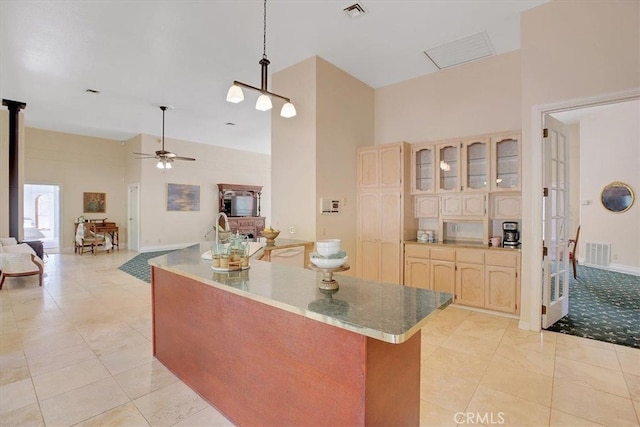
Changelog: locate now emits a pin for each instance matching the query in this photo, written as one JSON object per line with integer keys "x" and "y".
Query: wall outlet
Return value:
{"x": 292, "y": 229}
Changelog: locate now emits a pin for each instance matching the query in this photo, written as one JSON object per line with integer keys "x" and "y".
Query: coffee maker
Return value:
{"x": 511, "y": 235}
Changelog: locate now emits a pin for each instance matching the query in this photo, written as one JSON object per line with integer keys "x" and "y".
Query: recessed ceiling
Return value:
{"x": 140, "y": 54}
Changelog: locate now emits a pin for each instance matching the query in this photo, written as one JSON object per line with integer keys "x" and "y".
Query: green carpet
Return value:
{"x": 139, "y": 267}
{"x": 604, "y": 306}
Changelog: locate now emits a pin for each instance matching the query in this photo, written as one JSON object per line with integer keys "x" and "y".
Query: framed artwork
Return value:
{"x": 183, "y": 197}
{"x": 94, "y": 202}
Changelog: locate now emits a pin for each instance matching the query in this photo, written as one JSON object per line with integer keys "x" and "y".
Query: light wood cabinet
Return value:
{"x": 463, "y": 204}
{"x": 475, "y": 165}
{"x": 427, "y": 207}
{"x": 448, "y": 167}
{"x": 505, "y": 163}
{"x": 384, "y": 211}
{"x": 423, "y": 170}
{"x": 482, "y": 278}
{"x": 506, "y": 206}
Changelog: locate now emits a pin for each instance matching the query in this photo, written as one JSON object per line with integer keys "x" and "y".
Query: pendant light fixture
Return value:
{"x": 235, "y": 94}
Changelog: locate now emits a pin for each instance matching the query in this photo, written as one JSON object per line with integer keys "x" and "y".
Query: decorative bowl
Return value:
{"x": 328, "y": 247}
{"x": 329, "y": 262}
{"x": 270, "y": 235}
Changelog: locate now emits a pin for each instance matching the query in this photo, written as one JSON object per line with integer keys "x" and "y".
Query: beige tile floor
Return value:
{"x": 78, "y": 352}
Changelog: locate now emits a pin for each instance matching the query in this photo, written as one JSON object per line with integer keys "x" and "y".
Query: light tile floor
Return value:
{"x": 78, "y": 352}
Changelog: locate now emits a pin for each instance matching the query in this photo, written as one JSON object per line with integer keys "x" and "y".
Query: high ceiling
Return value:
{"x": 145, "y": 53}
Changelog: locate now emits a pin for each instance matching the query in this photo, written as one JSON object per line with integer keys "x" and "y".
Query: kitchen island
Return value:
{"x": 266, "y": 346}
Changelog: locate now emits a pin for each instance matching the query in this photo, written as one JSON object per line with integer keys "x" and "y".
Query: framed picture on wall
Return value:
{"x": 94, "y": 202}
{"x": 183, "y": 197}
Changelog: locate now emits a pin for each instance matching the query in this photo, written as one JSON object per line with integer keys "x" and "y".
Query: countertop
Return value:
{"x": 390, "y": 313}
{"x": 462, "y": 244}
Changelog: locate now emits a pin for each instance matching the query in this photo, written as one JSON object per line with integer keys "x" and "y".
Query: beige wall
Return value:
{"x": 610, "y": 151}
{"x": 476, "y": 98}
{"x": 78, "y": 164}
{"x": 571, "y": 50}
{"x": 314, "y": 154}
{"x": 293, "y": 152}
{"x": 85, "y": 164}
{"x": 162, "y": 229}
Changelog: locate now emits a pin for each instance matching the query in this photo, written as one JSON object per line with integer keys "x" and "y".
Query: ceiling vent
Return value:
{"x": 355, "y": 10}
{"x": 460, "y": 51}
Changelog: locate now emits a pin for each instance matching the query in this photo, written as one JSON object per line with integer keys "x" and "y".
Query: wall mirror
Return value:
{"x": 617, "y": 197}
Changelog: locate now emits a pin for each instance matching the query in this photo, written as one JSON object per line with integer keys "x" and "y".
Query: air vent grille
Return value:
{"x": 466, "y": 49}
{"x": 355, "y": 10}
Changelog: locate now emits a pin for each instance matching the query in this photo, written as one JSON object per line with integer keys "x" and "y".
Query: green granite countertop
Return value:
{"x": 390, "y": 313}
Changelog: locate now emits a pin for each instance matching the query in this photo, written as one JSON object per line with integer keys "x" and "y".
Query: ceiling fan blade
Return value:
{"x": 169, "y": 154}
{"x": 149, "y": 157}
{"x": 143, "y": 154}
{"x": 191, "y": 159}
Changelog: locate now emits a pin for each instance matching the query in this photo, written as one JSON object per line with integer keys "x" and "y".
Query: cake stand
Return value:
{"x": 328, "y": 282}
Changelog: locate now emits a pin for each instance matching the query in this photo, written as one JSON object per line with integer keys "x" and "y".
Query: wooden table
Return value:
{"x": 286, "y": 244}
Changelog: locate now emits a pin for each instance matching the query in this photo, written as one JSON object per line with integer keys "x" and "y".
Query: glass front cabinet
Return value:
{"x": 423, "y": 172}
{"x": 505, "y": 158}
{"x": 475, "y": 161}
{"x": 448, "y": 170}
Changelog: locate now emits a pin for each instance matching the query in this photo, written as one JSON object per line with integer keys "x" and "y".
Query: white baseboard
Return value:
{"x": 619, "y": 268}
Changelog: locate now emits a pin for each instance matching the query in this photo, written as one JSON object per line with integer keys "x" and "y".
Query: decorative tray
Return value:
{"x": 230, "y": 268}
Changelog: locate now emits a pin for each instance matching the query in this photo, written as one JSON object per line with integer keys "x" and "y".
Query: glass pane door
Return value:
{"x": 424, "y": 169}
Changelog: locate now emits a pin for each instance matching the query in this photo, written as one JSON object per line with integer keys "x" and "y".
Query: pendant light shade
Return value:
{"x": 263, "y": 103}
{"x": 288, "y": 110}
{"x": 235, "y": 94}
{"x": 160, "y": 164}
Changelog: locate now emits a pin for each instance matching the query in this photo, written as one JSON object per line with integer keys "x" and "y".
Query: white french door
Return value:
{"x": 556, "y": 227}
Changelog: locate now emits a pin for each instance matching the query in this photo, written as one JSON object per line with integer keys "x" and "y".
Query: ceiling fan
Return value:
{"x": 165, "y": 158}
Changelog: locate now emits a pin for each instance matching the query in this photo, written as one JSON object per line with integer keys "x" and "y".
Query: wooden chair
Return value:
{"x": 573, "y": 252}
{"x": 91, "y": 239}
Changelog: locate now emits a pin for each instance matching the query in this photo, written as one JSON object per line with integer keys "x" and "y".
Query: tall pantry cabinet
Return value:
{"x": 384, "y": 212}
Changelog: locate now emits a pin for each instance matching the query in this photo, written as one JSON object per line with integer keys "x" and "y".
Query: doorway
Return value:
{"x": 599, "y": 155}
{"x": 41, "y": 207}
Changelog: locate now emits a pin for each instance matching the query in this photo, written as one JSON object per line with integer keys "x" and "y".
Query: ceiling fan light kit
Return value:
{"x": 236, "y": 95}
{"x": 165, "y": 158}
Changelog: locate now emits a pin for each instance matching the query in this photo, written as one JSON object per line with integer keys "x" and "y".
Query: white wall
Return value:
{"x": 610, "y": 151}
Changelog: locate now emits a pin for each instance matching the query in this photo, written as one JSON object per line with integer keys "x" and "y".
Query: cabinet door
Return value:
{"x": 426, "y": 206}
{"x": 416, "y": 272}
{"x": 507, "y": 206}
{"x": 448, "y": 170}
{"x": 390, "y": 237}
{"x": 501, "y": 289}
{"x": 368, "y": 168}
{"x": 473, "y": 204}
{"x": 475, "y": 163}
{"x": 422, "y": 169}
{"x": 443, "y": 276}
{"x": 470, "y": 284}
{"x": 505, "y": 158}
{"x": 367, "y": 235}
{"x": 391, "y": 166}
{"x": 450, "y": 205}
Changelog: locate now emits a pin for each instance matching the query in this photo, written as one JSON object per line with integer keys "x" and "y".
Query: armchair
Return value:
{"x": 86, "y": 236}
{"x": 18, "y": 260}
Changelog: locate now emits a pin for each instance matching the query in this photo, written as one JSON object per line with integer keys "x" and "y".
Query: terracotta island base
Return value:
{"x": 266, "y": 347}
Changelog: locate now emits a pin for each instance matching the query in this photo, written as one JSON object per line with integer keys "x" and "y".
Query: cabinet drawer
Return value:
{"x": 501, "y": 259}
{"x": 443, "y": 254}
{"x": 417, "y": 251}
{"x": 470, "y": 256}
